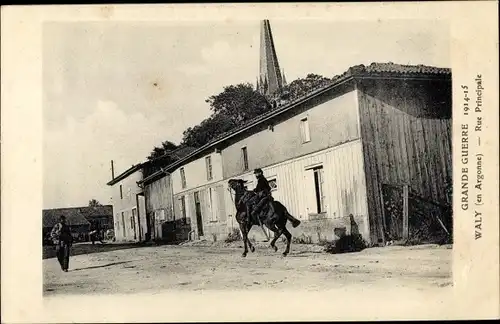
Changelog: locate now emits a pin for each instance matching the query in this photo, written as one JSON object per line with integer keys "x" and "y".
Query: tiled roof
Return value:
{"x": 183, "y": 151}
{"x": 402, "y": 69}
{"x": 74, "y": 217}
{"x": 354, "y": 71}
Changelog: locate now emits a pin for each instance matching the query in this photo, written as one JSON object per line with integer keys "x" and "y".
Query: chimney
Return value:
{"x": 112, "y": 171}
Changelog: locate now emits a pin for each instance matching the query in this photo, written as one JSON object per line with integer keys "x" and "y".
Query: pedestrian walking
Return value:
{"x": 61, "y": 235}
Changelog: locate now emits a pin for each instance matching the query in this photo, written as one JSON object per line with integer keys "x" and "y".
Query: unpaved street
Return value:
{"x": 160, "y": 268}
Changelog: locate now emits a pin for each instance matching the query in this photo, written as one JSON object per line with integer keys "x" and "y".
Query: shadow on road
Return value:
{"x": 88, "y": 248}
{"x": 101, "y": 266}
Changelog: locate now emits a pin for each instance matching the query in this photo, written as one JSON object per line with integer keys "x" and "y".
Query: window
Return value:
{"x": 208, "y": 162}
{"x": 304, "y": 130}
{"x": 273, "y": 184}
{"x": 318, "y": 185}
{"x": 183, "y": 178}
{"x": 244, "y": 154}
{"x": 121, "y": 192}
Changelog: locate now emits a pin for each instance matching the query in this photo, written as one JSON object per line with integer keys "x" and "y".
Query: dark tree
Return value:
{"x": 166, "y": 147}
{"x": 94, "y": 203}
{"x": 207, "y": 130}
{"x": 234, "y": 106}
{"x": 303, "y": 86}
{"x": 239, "y": 102}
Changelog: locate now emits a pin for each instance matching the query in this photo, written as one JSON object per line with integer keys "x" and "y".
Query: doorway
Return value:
{"x": 199, "y": 218}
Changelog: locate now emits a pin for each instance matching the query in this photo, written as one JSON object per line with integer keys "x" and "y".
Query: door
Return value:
{"x": 123, "y": 225}
{"x": 309, "y": 192}
{"x": 141, "y": 217}
{"x": 199, "y": 218}
{"x": 134, "y": 222}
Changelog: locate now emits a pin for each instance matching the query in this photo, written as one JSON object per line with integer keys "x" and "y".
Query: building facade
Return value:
{"x": 198, "y": 192}
{"x": 328, "y": 154}
{"x": 129, "y": 206}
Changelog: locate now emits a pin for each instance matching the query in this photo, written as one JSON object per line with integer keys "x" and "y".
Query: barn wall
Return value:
{"x": 406, "y": 135}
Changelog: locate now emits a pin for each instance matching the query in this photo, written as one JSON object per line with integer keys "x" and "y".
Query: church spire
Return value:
{"x": 269, "y": 66}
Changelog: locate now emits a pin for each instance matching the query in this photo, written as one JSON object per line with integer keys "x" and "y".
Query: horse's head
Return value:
{"x": 236, "y": 184}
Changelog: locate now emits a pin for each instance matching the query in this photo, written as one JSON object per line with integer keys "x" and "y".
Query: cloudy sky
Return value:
{"x": 114, "y": 90}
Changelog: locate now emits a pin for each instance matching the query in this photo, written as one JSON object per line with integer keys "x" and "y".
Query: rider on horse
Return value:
{"x": 263, "y": 194}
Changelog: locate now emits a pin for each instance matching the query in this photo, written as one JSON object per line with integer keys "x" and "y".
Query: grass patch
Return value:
{"x": 233, "y": 236}
{"x": 346, "y": 244}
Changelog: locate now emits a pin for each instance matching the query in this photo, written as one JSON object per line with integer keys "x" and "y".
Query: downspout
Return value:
{"x": 140, "y": 185}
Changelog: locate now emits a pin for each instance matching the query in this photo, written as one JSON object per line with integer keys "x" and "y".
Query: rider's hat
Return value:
{"x": 257, "y": 171}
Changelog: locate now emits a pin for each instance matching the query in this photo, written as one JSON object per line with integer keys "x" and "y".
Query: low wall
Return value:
{"x": 312, "y": 231}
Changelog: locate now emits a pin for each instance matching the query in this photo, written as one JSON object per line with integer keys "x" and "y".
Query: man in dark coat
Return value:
{"x": 263, "y": 191}
{"x": 61, "y": 235}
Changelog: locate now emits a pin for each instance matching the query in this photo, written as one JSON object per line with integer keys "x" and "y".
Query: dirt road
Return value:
{"x": 159, "y": 268}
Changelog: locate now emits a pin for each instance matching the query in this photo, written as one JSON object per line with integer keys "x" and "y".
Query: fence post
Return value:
{"x": 405, "y": 213}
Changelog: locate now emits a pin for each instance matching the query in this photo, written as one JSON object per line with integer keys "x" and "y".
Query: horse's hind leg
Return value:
{"x": 288, "y": 236}
{"x": 277, "y": 234}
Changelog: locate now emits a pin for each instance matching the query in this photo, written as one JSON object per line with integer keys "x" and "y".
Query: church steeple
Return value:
{"x": 270, "y": 71}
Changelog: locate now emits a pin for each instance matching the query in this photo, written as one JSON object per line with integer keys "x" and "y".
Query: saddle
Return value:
{"x": 252, "y": 200}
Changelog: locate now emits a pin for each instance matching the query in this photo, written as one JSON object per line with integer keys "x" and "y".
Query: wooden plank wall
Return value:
{"x": 406, "y": 135}
{"x": 159, "y": 196}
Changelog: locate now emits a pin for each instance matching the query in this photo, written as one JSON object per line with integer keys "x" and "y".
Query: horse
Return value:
{"x": 275, "y": 217}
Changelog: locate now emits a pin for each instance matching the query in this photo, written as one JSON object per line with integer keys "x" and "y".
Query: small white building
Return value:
{"x": 130, "y": 223}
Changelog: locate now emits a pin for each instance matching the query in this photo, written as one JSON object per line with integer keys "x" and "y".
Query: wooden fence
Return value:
{"x": 412, "y": 219}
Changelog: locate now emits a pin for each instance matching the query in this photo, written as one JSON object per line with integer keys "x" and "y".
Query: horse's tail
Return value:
{"x": 295, "y": 222}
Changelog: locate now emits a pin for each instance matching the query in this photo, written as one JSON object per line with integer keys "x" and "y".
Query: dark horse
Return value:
{"x": 273, "y": 217}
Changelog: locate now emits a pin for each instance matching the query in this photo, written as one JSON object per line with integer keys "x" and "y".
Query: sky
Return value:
{"x": 114, "y": 90}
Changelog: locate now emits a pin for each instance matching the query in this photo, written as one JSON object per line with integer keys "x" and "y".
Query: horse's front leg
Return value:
{"x": 248, "y": 227}
{"x": 252, "y": 248}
